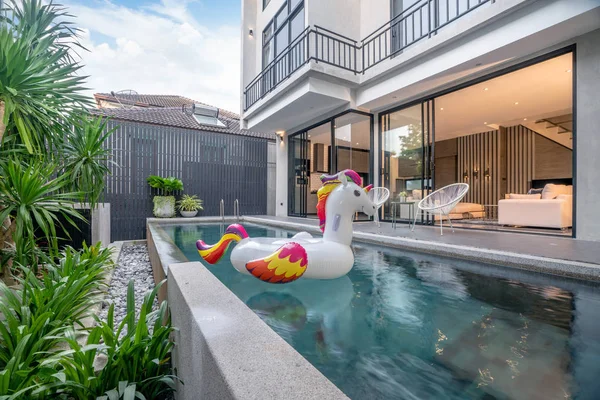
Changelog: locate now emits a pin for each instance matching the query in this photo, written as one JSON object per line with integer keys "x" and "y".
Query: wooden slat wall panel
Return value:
{"x": 477, "y": 153}
{"x": 214, "y": 166}
{"x": 520, "y": 158}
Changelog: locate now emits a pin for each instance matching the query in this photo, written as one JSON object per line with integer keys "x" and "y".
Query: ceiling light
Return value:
{"x": 516, "y": 103}
{"x": 524, "y": 119}
{"x": 356, "y": 142}
{"x": 308, "y": 135}
{"x": 442, "y": 108}
{"x": 485, "y": 89}
{"x": 485, "y": 123}
{"x": 568, "y": 70}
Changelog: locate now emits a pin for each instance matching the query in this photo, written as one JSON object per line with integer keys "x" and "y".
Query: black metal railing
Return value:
{"x": 421, "y": 20}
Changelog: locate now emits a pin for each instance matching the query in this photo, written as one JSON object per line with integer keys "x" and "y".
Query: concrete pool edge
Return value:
{"x": 225, "y": 351}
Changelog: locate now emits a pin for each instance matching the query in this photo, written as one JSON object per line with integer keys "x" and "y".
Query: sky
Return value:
{"x": 181, "y": 47}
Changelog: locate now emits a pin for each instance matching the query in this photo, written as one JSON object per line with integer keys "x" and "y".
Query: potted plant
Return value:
{"x": 188, "y": 206}
{"x": 164, "y": 205}
{"x": 402, "y": 196}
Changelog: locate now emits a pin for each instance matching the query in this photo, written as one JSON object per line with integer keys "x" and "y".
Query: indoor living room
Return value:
{"x": 511, "y": 139}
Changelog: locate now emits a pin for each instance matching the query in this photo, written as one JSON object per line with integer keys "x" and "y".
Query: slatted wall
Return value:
{"x": 213, "y": 166}
{"x": 520, "y": 158}
{"x": 480, "y": 152}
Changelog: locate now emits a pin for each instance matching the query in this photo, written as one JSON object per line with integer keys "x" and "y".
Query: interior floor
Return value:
{"x": 493, "y": 226}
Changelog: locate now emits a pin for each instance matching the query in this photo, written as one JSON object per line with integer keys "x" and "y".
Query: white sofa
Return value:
{"x": 553, "y": 208}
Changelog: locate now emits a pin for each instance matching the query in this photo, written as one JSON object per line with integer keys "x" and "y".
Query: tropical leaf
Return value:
{"x": 86, "y": 159}
{"x": 34, "y": 201}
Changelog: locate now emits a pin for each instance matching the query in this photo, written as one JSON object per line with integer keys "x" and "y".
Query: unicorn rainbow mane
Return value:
{"x": 212, "y": 254}
{"x": 330, "y": 182}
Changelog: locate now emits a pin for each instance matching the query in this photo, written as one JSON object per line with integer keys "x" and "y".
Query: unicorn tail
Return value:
{"x": 212, "y": 254}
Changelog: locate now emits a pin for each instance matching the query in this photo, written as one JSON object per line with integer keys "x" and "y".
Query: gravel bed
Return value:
{"x": 133, "y": 263}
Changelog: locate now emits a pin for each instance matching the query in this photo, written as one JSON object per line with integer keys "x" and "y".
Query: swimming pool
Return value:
{"x": 406, "y": 325}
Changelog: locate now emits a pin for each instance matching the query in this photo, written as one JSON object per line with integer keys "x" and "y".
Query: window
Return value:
{"x": 286, "y": 26}
{"x": 297, "y": 25}
{"x": 268, "y": 45}
{"x": 282, "y": 39}
{"x": 266, "y": 3}
{"x": 281, "y": 16}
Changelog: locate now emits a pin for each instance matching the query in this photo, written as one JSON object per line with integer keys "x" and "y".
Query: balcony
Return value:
{"x": 420, "y": 21}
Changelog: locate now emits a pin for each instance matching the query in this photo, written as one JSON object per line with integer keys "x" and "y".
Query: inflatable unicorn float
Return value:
{"x": 276, "y": 260}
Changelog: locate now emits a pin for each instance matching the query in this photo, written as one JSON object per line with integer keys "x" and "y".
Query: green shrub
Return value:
{"x": 137, "y": 351}
{"x": 30, "y": 198}
{"x": 165, "y": 185}
{"x": 37, "y": 316}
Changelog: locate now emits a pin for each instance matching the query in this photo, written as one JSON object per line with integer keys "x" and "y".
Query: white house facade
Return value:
{"x": 416, "y": 95}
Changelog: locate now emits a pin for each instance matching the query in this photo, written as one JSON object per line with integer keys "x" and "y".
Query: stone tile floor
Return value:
{"x": 557, "y": 247}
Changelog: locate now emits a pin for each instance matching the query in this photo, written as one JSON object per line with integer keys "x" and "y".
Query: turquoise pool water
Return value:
{"x": 409, "y": 326}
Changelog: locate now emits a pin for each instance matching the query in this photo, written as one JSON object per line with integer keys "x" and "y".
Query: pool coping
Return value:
{"x": 552, "y": 266}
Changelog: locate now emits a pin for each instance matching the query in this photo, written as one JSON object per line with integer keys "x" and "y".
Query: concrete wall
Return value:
{"x": 281, "y": 188}
{"x": 340, "y": 16}
{"x": 100, "y": 222}
{"x": 271, "y": 177}
{"x": 587, "y": 136}
{"x": 225, "y": 351}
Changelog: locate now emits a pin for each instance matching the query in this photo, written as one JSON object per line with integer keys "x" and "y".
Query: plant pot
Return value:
{"x": 189, "y": 214}
{"x": 402, "y": 199}
{"x": 164, "y": 206}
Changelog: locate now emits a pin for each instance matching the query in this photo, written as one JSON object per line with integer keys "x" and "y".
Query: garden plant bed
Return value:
{"x": 133, "y": 264}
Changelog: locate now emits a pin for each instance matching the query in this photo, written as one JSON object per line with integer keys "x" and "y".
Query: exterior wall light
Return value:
{"x": 466, "y": 176}
{"x": 280, "y": 134}
{"x": 475, "y": 173}
{"x": 486, "y": 173}
{"x": 250, "y": 33}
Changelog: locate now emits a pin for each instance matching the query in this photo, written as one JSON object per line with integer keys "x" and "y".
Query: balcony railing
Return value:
{"x": 421, "y": 20}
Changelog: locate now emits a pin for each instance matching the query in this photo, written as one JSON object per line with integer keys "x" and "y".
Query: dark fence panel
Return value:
{"x": 213, "y": 166}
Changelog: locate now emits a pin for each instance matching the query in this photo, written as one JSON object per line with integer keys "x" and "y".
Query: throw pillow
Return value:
{"x": 514, "y": 196}
{"x": 551, "y": 191}
{"x": 535, "y": 191}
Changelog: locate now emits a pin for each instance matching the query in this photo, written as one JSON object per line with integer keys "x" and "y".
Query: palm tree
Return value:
{"x": 39, "y": 85}
{"x": 43, "y": 131}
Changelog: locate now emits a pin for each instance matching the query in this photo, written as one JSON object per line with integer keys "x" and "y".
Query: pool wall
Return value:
{"x": 225, "y": 351}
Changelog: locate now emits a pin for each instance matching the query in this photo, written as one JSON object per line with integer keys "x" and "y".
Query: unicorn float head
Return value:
{"x": 276, "y": 260}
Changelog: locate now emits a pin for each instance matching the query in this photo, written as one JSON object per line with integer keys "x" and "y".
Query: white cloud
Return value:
{"x": 160, "y": 49}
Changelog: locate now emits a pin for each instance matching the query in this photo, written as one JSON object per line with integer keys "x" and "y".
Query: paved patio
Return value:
{"x": 534, "y": 245}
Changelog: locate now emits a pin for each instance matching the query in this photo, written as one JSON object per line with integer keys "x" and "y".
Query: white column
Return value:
{"x": 376, "y": 178}
{"x": 281, "y": 189}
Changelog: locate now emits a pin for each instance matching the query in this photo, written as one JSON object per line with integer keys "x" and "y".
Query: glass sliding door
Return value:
{"x": 343, "y": 141}
{"x": 319, "y": 139}
{"x": 353, "y": 147}
{"x": 309, "y": 158}
{"x": 405, "y": 158}
{"x": 299, "y": 167}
